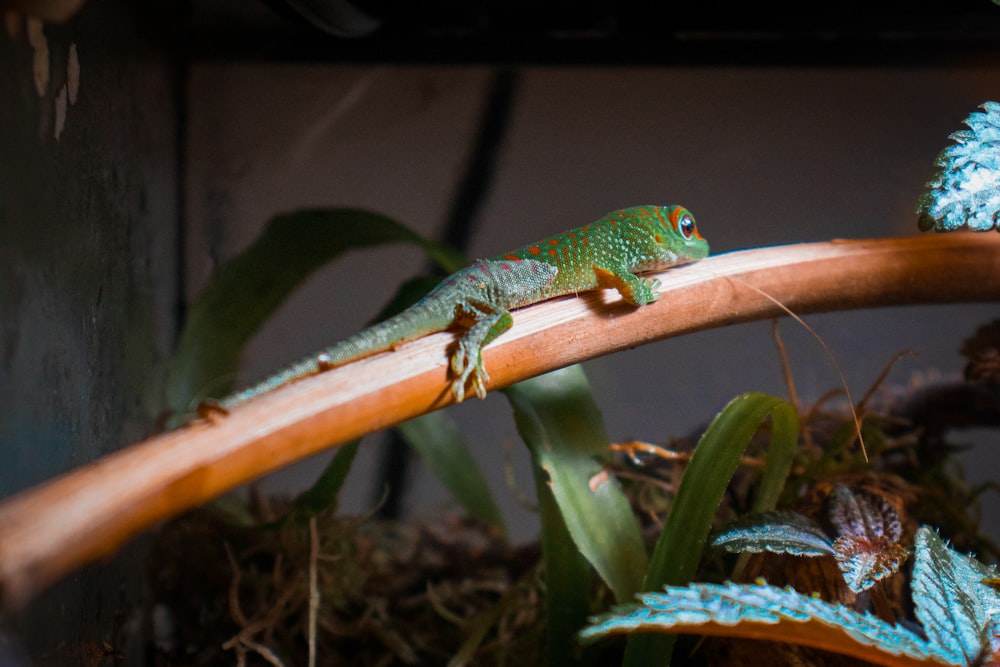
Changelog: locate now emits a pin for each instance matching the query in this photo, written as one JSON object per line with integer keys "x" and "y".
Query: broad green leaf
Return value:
{"x": 965, "y": 192}
{"x": 679, "y": 547}
{"x": 560, "y": 422}
{"x": 567, "y": 578}
{"x": 766, "y": 612}
{"x": 775, "y": 532}
{"x": 955, "y": 607}
{"x": 246, "y": 290}
{"x": 443, "y": 449}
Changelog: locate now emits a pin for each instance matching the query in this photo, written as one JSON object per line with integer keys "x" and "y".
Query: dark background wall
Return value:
{"x": 88, "y": 228}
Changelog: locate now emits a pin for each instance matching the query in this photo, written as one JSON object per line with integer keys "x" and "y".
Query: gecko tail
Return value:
{"x": 412, "y": 323}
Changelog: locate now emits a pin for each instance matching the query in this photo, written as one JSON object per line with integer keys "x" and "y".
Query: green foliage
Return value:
{"x": 866, "y": 545}
{"x": 680, "y": 545}
{"x": 965, "y": 192}
{"x": 247, "y": 289}
{"x": 559, "y": 421}
{"x": 443, "y": 449}
{"x": 957, "y": 609}
{"x": 325, "y": 491}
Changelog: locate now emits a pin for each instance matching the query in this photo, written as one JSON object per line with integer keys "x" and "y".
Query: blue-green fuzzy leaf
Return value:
{"x": 562, "y": 426}
{"x": 246, "y": 290}
{"x": 441, "y": 446}
{"x": 775, "y": 532}
{"x": 965, "y": 192}
{"x": 767, "y": 612}
{"x": 955, "y": 607}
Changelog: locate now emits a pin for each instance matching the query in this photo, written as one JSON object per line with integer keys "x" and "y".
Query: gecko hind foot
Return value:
{"x": 465, "y": 369}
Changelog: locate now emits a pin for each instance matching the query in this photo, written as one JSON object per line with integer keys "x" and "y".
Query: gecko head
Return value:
{"x": 677, "y": 238}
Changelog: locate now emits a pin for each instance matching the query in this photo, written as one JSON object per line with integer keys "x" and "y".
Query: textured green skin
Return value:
{"x": 479, "y": 298}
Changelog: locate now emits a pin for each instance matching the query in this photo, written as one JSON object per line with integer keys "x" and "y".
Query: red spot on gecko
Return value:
{"x": 535, "y": 250}
{"x": 553, "y": 241}
{"x": 506, "y": 267}
{"x": 553, "y": 252}
{"x": 513, "y": 258}
{"x": 659, "y": 239}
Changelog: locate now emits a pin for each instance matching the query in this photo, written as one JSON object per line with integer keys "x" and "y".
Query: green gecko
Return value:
{"x": 606, "y": 253}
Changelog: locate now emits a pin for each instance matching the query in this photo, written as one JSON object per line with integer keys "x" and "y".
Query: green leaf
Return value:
{"x": 325, "y": 491}
{"x": 965, "y": 192}
{"x": 775, "y": 532}
{"x": 766, "y": 612}
{"x": 679, "y": 547}
{"x": 443, "y": 449}
{"x": 567, "y": 579}
{"x": 956, "y": 608}
{"x": 246, "y": 290}
{"x": 562, "y": 426}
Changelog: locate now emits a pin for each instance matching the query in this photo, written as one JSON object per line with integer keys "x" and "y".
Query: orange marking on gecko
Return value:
{"x": 513, "y": 258}
{"x": 535, "y": 250}
{"x": 663, "y": 221}
{"x": 553, "y": 241}
{"x": 553, "y": 252}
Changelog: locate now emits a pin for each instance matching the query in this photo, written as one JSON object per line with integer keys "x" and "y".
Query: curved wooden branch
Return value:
{"x": 86, "y": 514}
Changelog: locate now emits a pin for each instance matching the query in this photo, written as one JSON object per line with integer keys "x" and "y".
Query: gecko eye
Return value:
{"x": 686, "y": 226}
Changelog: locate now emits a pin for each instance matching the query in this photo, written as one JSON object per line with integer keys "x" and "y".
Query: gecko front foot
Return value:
{"x": 652, "y": 289}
